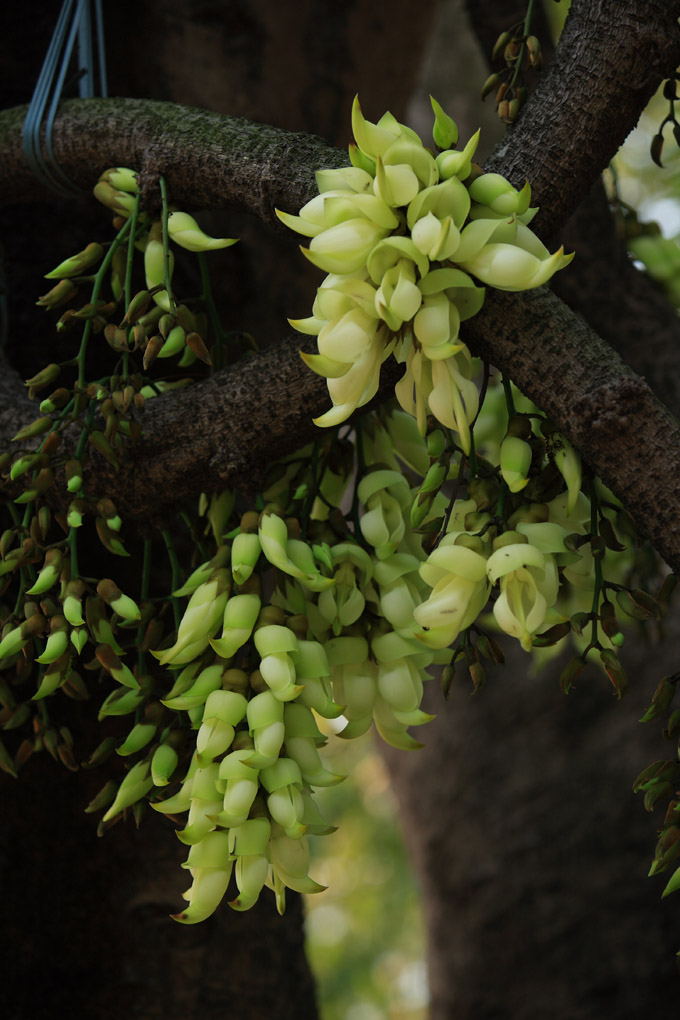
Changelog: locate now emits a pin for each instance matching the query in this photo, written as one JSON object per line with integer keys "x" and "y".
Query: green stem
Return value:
{"x": 20, "y": 594}
{"x": 452, "y": 500}
{"x": 472, "y": 456}
{"x": 219, "y": 354}
{"x": 525, "y": 32}
{"x": 96, "y": 287}
{"x": 482, "y": 394}
{"x": 127, "y": 289}
{"x": 131, "y": 253}
{"x": 165, "y": 212}
{"x": 143, "y": 595}
{"x": 175, "y": 568}
{"x": 597, "y": 587}
{"x": 509, "y": 401}
{"x": 192, "y": 531}
{"x": 89, "y": 421}
{"x": 500, "y": 506}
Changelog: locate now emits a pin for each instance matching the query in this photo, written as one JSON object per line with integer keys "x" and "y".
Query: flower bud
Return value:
{"x": 77, "y": 264}
{"x": 64, "y": 291}
{"x": 185, "y": 231}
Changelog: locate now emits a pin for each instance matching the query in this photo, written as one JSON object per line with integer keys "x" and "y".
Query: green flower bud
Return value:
{"x": 136, "y": 785}
{"x": 445, "y": 131}
{"x": 77, "y": 264}
{"x": 185, "y": 231}
{"x": 163, "y": 764}
{"x": 126, "y": 607}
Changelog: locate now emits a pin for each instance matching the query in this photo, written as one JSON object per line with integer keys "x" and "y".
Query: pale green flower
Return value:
{"x": 401, "y": 235}
{"x": 460, "y": 589}
{"x": 529, "y": 585}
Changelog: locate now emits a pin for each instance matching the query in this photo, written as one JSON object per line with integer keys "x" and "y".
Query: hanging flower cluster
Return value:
{"x": 335, "y": 640}
{"x": 401, "y": 234}
{"x": 372, "y": 555}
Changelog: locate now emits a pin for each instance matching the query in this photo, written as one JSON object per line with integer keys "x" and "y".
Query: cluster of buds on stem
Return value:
{"x": 520, "y": 51}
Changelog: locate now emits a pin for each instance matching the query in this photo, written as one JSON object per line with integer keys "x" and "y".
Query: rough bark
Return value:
{"x": 208, "y": 160}
{"x": 218, "y": 433}
{"x": 595, "y": 87}
{"x": 603, "y": 285}
{"x": 613, "y": 418}
{"x": 610, "y": 414}
{"x": 623, "y": 305}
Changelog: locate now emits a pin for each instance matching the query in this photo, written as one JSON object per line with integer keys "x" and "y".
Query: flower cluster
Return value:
{"x": 336, "y": 639}
{"x": 367, "y": 558}
{"x": 403, "y": 236}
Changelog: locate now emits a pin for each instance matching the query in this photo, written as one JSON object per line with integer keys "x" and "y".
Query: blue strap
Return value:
{"x": 71, "y": 24}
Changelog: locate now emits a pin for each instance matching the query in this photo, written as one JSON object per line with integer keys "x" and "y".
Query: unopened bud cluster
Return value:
{"x": 59, "y": 616}
{"x": 520, "y": 51}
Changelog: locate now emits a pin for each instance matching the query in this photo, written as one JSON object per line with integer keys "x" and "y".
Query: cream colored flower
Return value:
{"x": 457, "y": 575}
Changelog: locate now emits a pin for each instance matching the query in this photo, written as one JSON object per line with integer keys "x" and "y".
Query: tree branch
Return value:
{"x": 609, "y": 62}
{"x": 622, "y": 304}
{"x": 602, "y": 285}
{"x": 208, "y": 160}
{"x": 610, "y": 414}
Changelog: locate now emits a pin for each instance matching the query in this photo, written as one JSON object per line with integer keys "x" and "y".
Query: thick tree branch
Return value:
{"x": 602, "y": 285}
{"x": 609, "y": 412}
{"x": 208, "y": 160}
{"x": 610, "y": 59}
{"x": 214, "y": 161}
{"x": 221, "y": 432}
{"x": 623, "y": 305}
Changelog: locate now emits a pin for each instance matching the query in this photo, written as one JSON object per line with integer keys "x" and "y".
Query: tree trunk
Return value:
{"x": 87, "y": 929}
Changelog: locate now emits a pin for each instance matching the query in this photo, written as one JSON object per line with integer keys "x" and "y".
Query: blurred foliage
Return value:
{"x": 556, "y": 13}
{"x": 365, "y": 933}
{"x": 646, "y": 198}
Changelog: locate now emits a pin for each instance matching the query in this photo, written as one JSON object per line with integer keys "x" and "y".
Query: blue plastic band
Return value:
{"x": 70, "y": 25}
